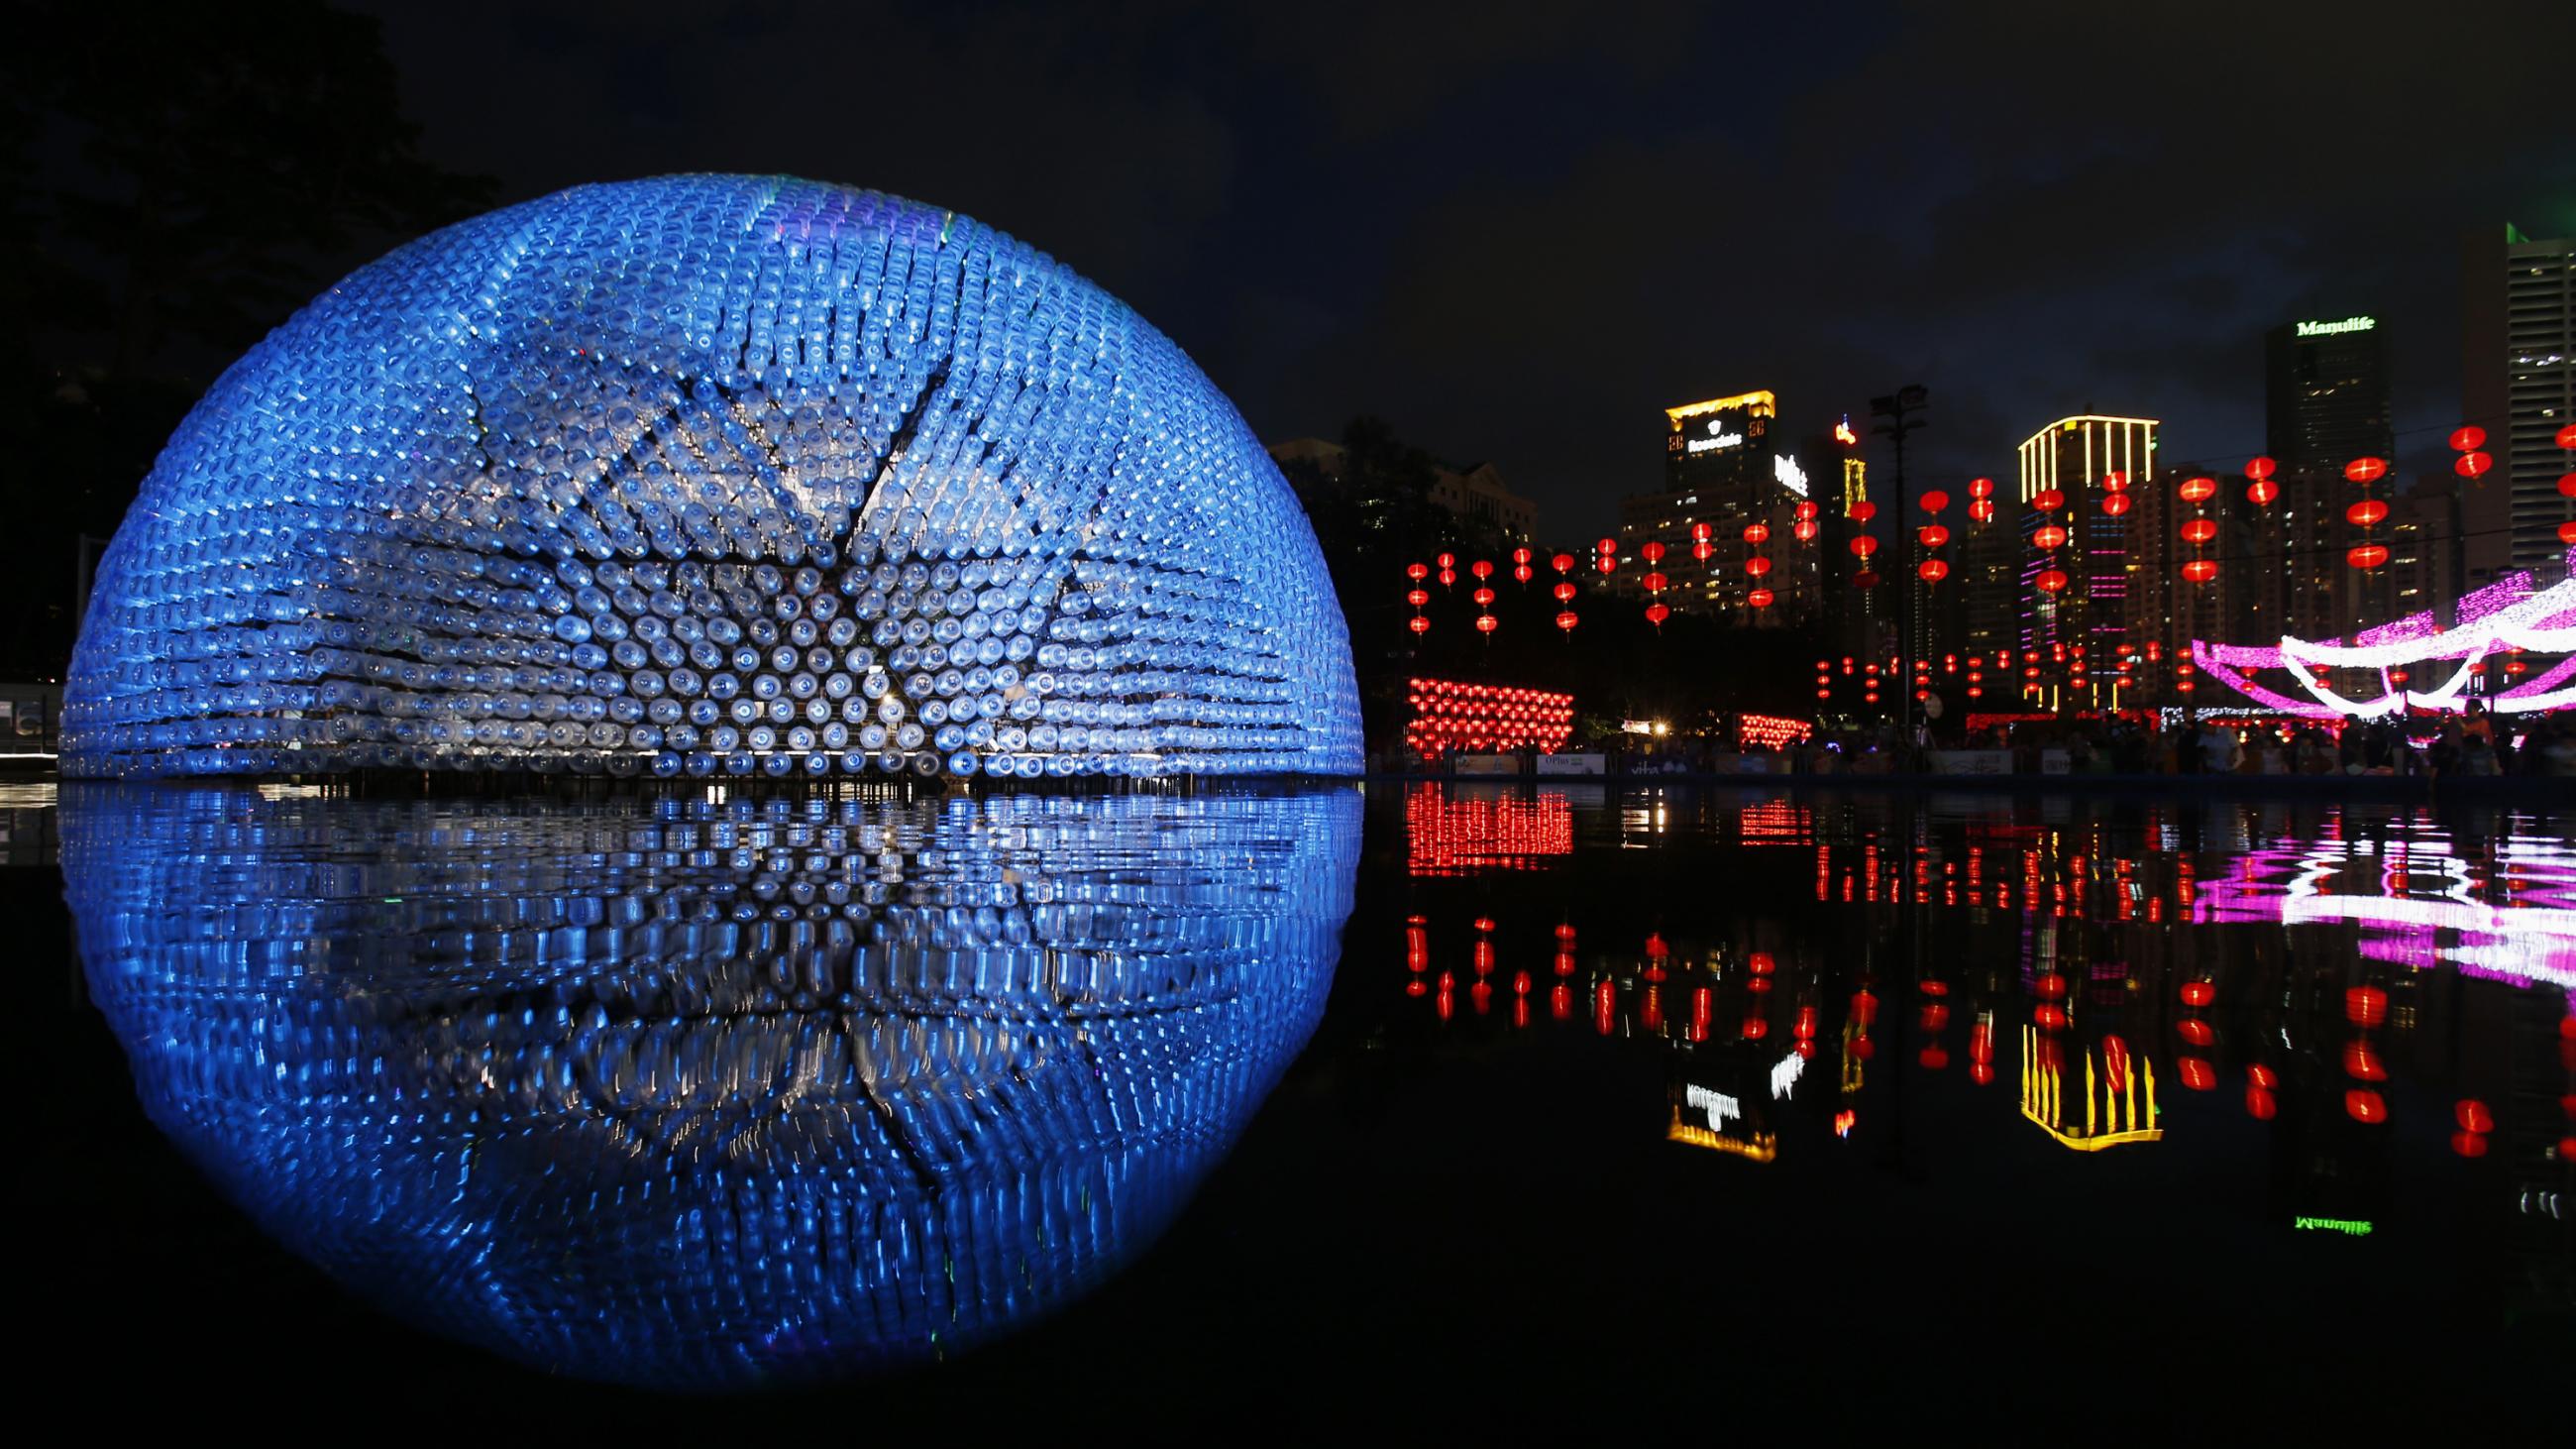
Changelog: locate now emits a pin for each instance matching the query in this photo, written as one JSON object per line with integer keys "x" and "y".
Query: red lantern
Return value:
{"x": 1864, "y": 545}
{"x": 2115, "y": 504}
{"x": 1566, "y": 621}
{"x": 2468, "y": 439}
{"x": 1562, "y": 563}
{"x": 2364, "y": 1105}
{"x": 1607, "y": 545}
{"x": 1932, "y": 535}
{"x": 1866, "y": 579}
{"x": 1981, "y": 487}
{"x": 1418, "y": 624}
{"x": 2366, "y": 555}
{"x": 2200, "y": 570}
{"x": 1656, "y": 614}
{"x": 2048, "y": 536}
{"x": 2366, "y": 470}
{"x": 2365, "y": 1005}
{"x": 2473, "y": 1116}
{"x": 1520, "y": 555}
{"x": 2261, "y": 492}
{"x": 1447, "y": 560}
{"x": 1804, "y": 529}
{"x": 1654, "y": 583}
{"x": 1448, "y": 578}
{"x": 2048, "y": 500}
{"x": 1651, "y": 551}
{"x": 1807, "y": 510}
{"x": 2050, "y": 581}
{"x": 2567, "y": 436}
{"x": 1983, "y": 510}
{"x": 2567, "y": 485}
{"x": 2567, "y": 531}
{"x": 1521, "y": 572}
{"x": 1759, "y": 598}
{"x": 1935, "y": 501}
{"x": 1607, "y": 563}
{"x": 1757, "y": 534}
{"x": 1484, "y": 598}
{"x": 1417, "y": 598}
{"x": 2365, "y": 513}
{"x": 1564, "y": 593}
{"x": 2198, "y": 490}
{"x": 1863, "y": 511}
{"x": 2115, "y": 482}
{"x": 2199, "y": 530}
{"x": 1481, "y": 569}
{"x": 2472, "y": 465}
{"x": 1933, "y": 570}
{"x": 1484, "y": 623}
{"x": 1757, "y": 566}
{"x": 2259, "y": 469}
{"x": 1417, "y": 572}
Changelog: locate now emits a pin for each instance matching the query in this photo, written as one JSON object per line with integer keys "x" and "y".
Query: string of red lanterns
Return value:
{"x": 2198, "y": 530}
{"x": 1864, "y": 543}
{"x": 2567, "y": 485}
{"x": 1652, "y": 551}
{"x": 2046, "y": 538}
{"x": 1565, "y": 617}
{"x": 2366, "y": 514}
{"x": 1757, "y": 565}
{"x": 2260, "y": 490}
{"x": 1931, "y": 537}
{"x": 1981, "y": 501}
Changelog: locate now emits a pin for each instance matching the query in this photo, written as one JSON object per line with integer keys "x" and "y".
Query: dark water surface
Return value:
{"x": 1161, "y": 1115}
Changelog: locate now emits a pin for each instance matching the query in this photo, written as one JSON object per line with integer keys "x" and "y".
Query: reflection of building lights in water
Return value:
{"x": 2113, "y": 1111}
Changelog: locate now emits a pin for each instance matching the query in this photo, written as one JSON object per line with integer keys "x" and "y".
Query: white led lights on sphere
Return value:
{"x": 714, "y": 475}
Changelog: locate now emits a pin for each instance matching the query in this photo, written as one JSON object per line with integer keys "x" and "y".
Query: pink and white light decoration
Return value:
{"x": 2507, "y": 615}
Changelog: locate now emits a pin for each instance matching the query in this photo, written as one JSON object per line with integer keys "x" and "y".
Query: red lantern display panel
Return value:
{"x": 1451, "y": 715}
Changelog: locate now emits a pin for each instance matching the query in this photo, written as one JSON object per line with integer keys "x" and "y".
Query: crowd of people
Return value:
{"x": 2459, "y": 746}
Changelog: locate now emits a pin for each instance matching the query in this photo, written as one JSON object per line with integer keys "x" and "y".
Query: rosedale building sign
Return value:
{"x": 2332, "y": 329}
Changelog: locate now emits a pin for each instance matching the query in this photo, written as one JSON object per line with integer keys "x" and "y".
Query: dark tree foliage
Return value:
{"x": 179, "y": 180}
{"x": 1378, "y": 517}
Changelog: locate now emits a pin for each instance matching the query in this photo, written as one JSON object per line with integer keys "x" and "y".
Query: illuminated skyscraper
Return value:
{"x": 2325, "y": 403}
{"x": 1727, "y": 468}
{"x": 2518, "y": 368}
{"x": 2078, "y": 630}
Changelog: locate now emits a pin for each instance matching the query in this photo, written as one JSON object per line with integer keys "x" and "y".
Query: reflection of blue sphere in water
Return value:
{"x": 683, "y": 1093}
{"x": 714, "y": 475}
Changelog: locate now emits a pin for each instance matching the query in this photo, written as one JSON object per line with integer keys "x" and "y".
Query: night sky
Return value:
{"x": 1517, "y": 232}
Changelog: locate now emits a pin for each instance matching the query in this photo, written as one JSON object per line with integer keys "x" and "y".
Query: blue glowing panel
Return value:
{"x": 709, "y": 1094}
{"x": 714, "y": 475}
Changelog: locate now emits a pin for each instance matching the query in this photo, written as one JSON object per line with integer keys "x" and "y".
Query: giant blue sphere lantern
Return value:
{"x": 714, "y": 475}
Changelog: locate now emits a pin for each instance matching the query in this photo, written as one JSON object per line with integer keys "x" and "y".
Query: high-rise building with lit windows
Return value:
{"x": 2078, "y": 632}
{"x": 2325, "y": 403}
{"x": 2518, "y": 369}
{"x": 1726, "y": 468}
